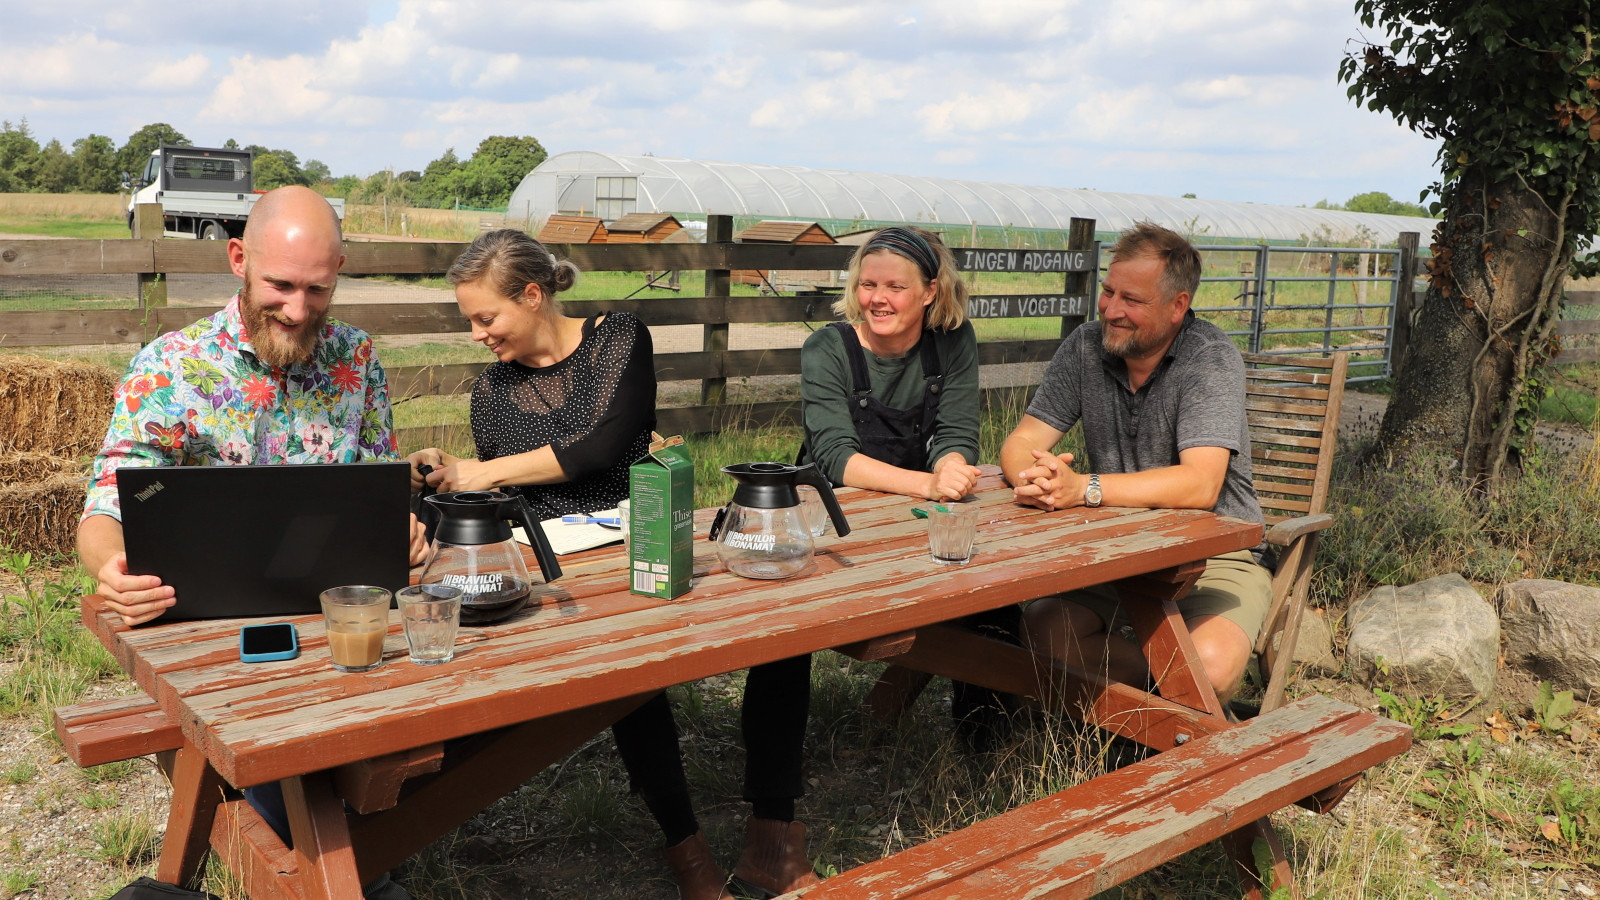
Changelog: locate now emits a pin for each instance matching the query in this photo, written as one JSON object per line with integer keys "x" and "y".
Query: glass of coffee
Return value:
{"x": 431, "y": 613}
{"x": 356, "y": 618}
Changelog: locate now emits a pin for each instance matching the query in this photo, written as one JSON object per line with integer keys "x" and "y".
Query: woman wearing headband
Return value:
{"x": 559, "y": 417}
{"x": 890, "y": 395}
{"x": 890, "y": 401}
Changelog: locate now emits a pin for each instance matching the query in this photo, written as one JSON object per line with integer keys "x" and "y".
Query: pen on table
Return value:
{"x": 921, "y": 513}
{"x": 592, "y": 520}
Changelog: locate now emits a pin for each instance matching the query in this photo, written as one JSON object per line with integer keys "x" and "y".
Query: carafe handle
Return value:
{"x": 810, "y": 474}
{"x": 549, "y": 567}
{"x": 427, "y": 513}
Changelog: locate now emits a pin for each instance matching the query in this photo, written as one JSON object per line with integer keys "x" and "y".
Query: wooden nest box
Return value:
{"x": 782, "y": 232}
{"x": 563, "y": 229}
{"x": 643, "y": 228}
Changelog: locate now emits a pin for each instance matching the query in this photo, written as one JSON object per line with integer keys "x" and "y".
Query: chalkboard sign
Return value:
{"x": 1016, "y": 306}
{"x": 970, "y": 259}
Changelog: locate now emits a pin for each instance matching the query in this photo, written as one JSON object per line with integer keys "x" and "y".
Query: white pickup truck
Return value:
{"x": 204, "y": 192}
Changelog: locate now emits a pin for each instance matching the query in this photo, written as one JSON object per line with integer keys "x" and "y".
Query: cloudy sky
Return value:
{"x": 1227, "y": 99}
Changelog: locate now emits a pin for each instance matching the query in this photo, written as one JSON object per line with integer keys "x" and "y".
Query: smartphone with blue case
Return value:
{"x": 268, "y": 642}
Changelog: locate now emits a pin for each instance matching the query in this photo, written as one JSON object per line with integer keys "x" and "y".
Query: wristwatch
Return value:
{"x": 1091, "y": 494}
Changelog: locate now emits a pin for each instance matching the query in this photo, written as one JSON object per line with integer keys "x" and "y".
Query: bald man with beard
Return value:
{"x": 269, "y": 379}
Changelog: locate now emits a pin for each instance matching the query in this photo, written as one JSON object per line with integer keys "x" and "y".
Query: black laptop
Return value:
{"x": 265, "y": 540}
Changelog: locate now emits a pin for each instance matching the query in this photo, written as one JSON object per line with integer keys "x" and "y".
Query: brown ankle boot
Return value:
{"x": 699, "y": 877}
{"x": 774, "y": 860}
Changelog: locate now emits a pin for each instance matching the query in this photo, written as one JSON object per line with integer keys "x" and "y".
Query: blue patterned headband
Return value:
{"x": 909, "y": 244}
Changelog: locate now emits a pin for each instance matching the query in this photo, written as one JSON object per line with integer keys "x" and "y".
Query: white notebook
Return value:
{"x": 566, "y": 538}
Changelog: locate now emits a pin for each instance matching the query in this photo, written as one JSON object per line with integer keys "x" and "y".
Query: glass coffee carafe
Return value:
{"x": 762, "y": 532}
{"x": 473, "y": 550}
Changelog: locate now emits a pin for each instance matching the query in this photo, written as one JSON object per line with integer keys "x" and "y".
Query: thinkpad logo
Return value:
{"x": 150, "y": 491}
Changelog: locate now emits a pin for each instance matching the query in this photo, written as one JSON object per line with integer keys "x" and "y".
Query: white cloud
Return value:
{"x": 1000, "y": 105}
{"x": 83, "y": 63}
{"x": 1162, "y": 96}
{"x": 269, "y": 92}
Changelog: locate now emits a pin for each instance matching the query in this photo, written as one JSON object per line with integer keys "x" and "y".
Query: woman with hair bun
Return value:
{"x": 569, "y": 403}
{"x": 566, "y": 408}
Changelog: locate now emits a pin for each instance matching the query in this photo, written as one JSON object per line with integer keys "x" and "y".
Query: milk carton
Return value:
{"x": 661, "y": 520}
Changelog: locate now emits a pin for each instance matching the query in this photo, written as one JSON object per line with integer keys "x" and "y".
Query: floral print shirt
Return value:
{"x": 200, "y": 397}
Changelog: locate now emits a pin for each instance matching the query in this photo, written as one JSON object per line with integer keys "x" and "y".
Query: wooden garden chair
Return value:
{"x": 1293, "y": 409}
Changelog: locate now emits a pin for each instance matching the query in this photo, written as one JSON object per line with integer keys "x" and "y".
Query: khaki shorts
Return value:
{"x": 1234, "y": 587}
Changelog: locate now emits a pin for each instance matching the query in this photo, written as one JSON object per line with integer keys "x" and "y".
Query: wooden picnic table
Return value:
{"x": 527, "y": 692}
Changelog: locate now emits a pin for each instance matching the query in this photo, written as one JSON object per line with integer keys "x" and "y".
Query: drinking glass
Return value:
{"x": 623, "y": 512}
{"x": 952, "y": 528}
{"x": 431, "y": 614}
{"x": 356, "y": 618}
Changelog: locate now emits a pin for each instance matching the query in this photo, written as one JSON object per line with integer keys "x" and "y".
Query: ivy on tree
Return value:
{"x": 1512, "y": 93}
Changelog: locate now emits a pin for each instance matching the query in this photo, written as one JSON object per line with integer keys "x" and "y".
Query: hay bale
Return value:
{"x": 41, "y": 498}
{"x": 55, "y": 408}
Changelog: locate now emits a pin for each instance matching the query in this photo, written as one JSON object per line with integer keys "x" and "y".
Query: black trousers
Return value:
{"x": 777, "y": 697}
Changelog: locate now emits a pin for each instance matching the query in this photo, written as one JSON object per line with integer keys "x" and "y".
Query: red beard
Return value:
{"x": 271, "y": 346}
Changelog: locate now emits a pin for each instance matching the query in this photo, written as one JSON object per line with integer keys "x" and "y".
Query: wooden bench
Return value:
{"x": 104, "y": 731}
{"x": 1088, "y": 838}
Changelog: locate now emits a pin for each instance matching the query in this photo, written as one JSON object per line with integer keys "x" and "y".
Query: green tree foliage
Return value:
{"x": 484, "y": 181}
{"x": 131, "y": 157}
{"x": 1379, "y": 202}
{"x": 96, "y": 159}
{"x": 19, "y": 157}
{"x": 57, "y": 171}
{"x": 1375, "y": 202}
{"x": 1512, "y": 93}
{"x": 276, "y": 168}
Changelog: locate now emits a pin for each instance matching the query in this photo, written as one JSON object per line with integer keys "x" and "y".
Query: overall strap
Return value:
{"x": 934, "y": 375}
{"x": 858, "y": 357}
{"x": 930, "y": 356}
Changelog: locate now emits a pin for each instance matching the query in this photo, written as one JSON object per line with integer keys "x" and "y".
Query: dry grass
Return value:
{"x": 416, "y": 222}
{"x": 62, "y": 206}
{"x": 41, "y": 498}
{"x": 60, "y": 408}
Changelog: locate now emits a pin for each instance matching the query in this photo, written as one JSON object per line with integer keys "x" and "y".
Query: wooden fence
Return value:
{"x": 151, "y": 260}
{"x": 1571, "y": 328}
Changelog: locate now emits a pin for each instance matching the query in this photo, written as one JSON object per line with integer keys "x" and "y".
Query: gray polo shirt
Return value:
{"x": 1195, "y": 398}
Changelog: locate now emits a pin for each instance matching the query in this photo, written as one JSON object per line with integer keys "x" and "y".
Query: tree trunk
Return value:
{"x": 1499, "y": 267}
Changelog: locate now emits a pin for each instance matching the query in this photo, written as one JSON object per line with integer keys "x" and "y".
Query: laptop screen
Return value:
{"x": 265, "y": 540}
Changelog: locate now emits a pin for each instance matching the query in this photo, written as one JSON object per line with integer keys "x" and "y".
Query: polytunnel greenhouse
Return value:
{"x": 607, "y": 185}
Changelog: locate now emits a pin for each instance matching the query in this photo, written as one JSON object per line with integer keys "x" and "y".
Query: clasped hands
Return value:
{"x": 952, "y": 478}
{"x": 1050, "y": 482}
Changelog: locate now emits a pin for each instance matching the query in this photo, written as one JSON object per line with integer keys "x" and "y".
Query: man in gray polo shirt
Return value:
{"x": 1160, "y": 394}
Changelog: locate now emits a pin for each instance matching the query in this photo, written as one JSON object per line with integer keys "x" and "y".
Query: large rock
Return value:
{"x": 1552, "y": 630}
{"x": 1435, "y": 637}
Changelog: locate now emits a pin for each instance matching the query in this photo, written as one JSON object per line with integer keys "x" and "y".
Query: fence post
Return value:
{"x": 1258, "y": 316}
{"x": 149, "y": 225}
{"x": 1405, "y": 277}
{"x": 1080, "y": 236}
{"x": 714, "y": 391}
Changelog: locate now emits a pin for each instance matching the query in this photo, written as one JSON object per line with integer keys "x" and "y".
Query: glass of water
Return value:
{"x": 952, "y": 528}
{"x": 431, "y": 613}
